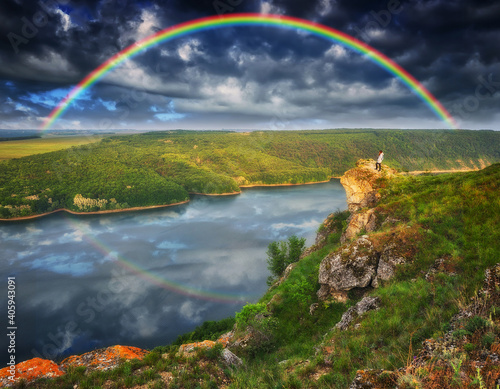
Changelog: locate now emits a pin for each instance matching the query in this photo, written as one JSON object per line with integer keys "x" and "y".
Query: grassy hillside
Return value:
{"x": 163, "y": 167}
{"x": 453, "y": 217}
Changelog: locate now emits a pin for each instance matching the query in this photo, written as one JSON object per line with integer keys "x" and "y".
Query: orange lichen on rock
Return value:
{"x": 190, "y": 347}
{"x": 104, "y": 359}
{"x": 30, "y": 370}
{"x": 225, "y": 339}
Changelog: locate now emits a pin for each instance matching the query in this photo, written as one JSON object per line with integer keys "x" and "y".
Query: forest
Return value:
{"x": 160, "y": 168}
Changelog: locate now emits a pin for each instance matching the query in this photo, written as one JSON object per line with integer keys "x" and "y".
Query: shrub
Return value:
{"x": 283, "y": 253}
{"x": 248, "y": 313}
{"x": 488, "y": 339}
{"x": 475, "y": 323}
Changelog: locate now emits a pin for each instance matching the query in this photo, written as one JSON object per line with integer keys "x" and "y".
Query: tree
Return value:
{"x": 281, "y": 254}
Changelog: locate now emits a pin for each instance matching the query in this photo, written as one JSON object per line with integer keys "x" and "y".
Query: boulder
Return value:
{"x": 105, "y": 358}
{"x": 230, "y": 358}
{"x": 352, "y": 266}
{"x": 29, "y": 371}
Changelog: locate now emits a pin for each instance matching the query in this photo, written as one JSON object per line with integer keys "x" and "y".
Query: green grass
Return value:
{"x": 23, "y": 148}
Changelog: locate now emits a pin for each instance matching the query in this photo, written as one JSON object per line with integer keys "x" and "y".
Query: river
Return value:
{"x": 142, "y": 278}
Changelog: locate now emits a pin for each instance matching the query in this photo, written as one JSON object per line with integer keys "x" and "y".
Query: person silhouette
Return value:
{"x": 378, "y": 164}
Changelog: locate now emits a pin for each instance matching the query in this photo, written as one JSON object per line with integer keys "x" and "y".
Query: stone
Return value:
{"x": 313, "y": 308}
{"x": 189, "y": 348}
{"x": 352, "y": 266}
{"x": 230, "y": 358}
{"x": 30, "y": 371}
{"x": 366, "y": 304}
{"x": 364, "y": 220}
{"x": 374, "y": 379}
{"x": 105, "y": 358}
{"x": 387, "y": 263}
{"x": 226, "y": 338}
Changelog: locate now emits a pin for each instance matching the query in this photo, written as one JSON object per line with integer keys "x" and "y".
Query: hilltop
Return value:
{"x": 402, "y": 290}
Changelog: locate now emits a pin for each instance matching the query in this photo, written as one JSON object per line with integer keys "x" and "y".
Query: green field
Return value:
{"x": 23, "y": 148}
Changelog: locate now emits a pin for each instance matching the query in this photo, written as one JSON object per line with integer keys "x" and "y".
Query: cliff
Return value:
{"x": 402, "y": 291}
{"x": 363, "y": 262}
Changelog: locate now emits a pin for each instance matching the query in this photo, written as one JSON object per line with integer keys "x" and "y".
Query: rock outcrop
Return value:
{"x": 361, "y": 185}
{"x": 359, "y": 221}
{"x": 360, "y": 263}
{"x": 29, "y": 371}
{"x": 102, "y": 359}
{"x": 352, "y": 266}
{"x": 105, "y": 358}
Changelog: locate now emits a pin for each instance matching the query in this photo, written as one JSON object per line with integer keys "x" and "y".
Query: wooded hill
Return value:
{"x": 161, "y": 168}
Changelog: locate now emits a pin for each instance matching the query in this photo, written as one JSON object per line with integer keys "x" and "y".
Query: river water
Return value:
{"x": 142, "y": 278}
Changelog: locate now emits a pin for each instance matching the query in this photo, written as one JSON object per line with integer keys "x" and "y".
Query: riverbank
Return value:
{"x": 95, "y": 212}
{"x": 278, "y": 185}
{"x": 414, "y": 172}
{"x": 159, "y": 206}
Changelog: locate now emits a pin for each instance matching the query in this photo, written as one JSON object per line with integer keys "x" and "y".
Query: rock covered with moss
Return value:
{"x": 352, "y": 266}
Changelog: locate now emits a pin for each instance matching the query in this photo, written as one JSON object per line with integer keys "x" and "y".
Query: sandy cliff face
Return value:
{"x": 361, "y": 184}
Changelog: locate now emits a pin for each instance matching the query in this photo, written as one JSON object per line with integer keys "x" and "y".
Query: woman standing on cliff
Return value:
{"x": 378, "y": 164}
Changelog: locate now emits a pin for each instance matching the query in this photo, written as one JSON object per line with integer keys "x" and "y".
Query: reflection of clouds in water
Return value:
{"x": 71, "y": 237}
{"x": 168, "y": 245}
{"x": 258, "y": 210}
{"x": 218, "y": 244}
{"x": 227, "y": 269}
{"x": 306, "y": 225}
{"x": 163, "y": 219}
{"x": 33, "y": 230}
{"x": 111, "y": 256}
{"x": 63, "y": 264}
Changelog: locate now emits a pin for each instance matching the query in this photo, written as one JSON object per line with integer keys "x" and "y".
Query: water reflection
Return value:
{"x": 143, "y": 278}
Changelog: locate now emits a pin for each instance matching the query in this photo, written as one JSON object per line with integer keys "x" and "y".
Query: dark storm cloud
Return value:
{"x": 247, "y": 75}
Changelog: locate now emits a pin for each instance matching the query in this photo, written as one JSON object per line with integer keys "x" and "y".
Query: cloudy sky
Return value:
{"x": 249, "y": 77}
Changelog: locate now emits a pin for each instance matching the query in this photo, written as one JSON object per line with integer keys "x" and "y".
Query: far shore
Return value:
{"x": 415, "y": 172}
{"x": 94, "y": 212}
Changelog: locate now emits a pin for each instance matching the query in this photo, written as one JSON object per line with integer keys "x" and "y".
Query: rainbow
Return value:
{"x": 151, "y": 277}
{"x": 250, "y": 19}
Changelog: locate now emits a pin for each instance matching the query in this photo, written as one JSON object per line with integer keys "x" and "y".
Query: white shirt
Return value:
{"x": 380, "y": 158}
